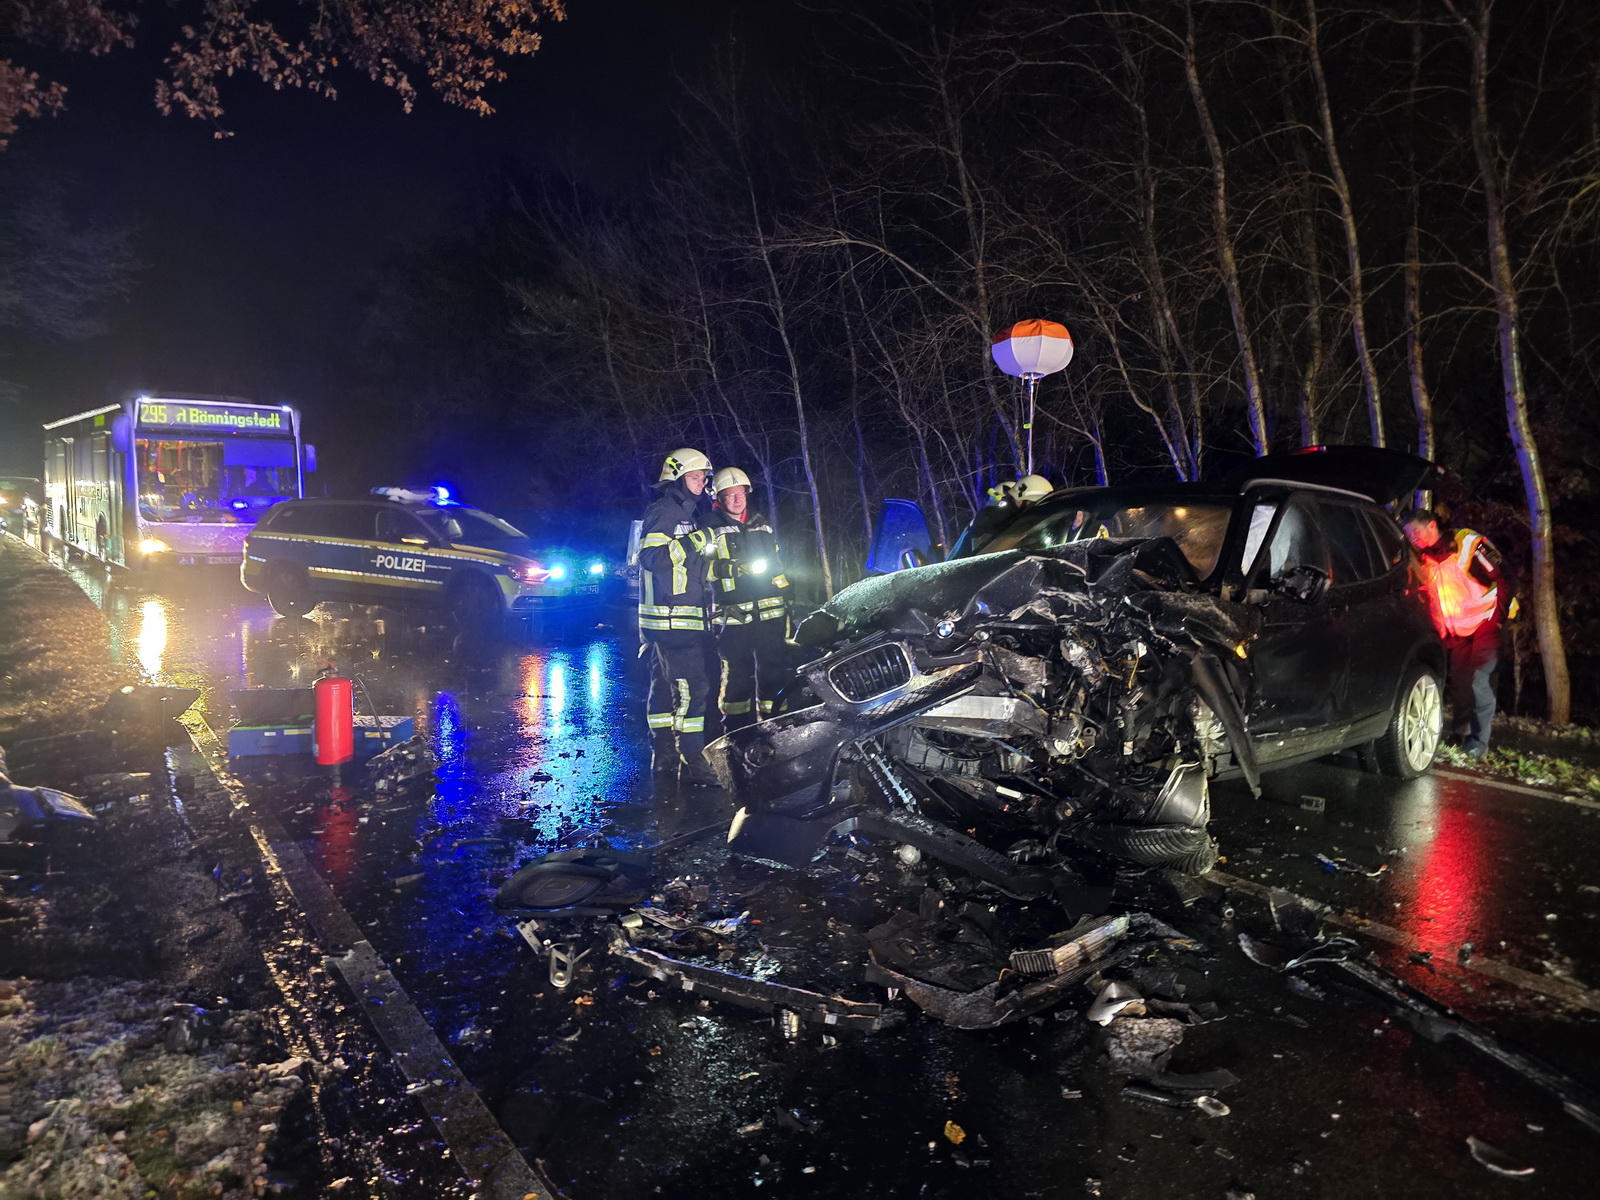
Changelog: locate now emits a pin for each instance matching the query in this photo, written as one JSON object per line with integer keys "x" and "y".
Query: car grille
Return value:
{"x": 871, "y": 673}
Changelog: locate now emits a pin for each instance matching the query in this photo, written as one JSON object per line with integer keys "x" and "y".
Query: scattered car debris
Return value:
{"x": 1114, "y": 999}
{"x": 28, "y": 813}
{"x": 1496, "y": 1160}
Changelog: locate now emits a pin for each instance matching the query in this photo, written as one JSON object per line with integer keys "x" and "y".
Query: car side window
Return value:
{"x": 287, "y": 520}
{"x": 1293, "y": 543}
{"x": 1390, "y": 542}
{"x": 401, "y": 528}
{"x": 1350, "y": 557}
{"x": 343, "y": 521}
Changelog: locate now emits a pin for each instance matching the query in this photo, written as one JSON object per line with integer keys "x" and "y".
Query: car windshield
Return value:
{"x": 1197, "y": 527}
{"x": 469, "y": 526}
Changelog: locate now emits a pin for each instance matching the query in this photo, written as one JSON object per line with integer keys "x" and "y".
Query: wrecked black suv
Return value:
{"x": 1081, "y": 675}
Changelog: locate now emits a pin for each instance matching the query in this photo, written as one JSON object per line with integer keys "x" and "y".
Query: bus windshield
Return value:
{"x": 213, "y": 481}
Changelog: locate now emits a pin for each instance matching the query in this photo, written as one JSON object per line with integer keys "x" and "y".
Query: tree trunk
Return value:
{"x": 1227, "y": 260}
{"x": 1546, "y": 613}
{"x": 1347, "y": 220}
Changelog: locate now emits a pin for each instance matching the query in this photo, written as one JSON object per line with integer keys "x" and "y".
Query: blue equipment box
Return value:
{"x": 373, "y": 735}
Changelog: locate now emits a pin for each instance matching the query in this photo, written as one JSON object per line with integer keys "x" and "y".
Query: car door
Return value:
{"x": 1299, "y": 658}
{"x": 398, "y": 562}
{"x": 1361, "y": 600}
{"x": 341, "y": 532}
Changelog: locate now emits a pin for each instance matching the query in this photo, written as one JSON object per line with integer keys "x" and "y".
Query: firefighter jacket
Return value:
{"x": 674, "y": 544}
{"x": 746, "y": 573}
{"x": 1468, "y": 587}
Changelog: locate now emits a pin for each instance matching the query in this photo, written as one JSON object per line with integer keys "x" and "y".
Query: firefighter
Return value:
{"x": 751, "y": 596}
{"x": 1471, "y": 597}
{"x": 1006, "y": 500}
{"x": 674, "y": 544}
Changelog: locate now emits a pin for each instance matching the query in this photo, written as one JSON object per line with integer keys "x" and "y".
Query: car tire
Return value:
{"x": 475, "y": 606}
{"x": 1407, "y": 747}
{"x": 288, "y": 590}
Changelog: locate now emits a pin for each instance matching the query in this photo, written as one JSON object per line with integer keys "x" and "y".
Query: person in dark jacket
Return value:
{"x": 674, "y": 544}
{"x": 750, "y": 592}
{"x": 1471, "y": 596}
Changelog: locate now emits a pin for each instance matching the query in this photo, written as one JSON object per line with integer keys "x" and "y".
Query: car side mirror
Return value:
{"x": 913, "y": 558}
{"x": 1304, "y": 583}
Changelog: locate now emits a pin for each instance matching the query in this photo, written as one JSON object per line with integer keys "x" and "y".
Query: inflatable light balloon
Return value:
{"x": 1031, "y": 350}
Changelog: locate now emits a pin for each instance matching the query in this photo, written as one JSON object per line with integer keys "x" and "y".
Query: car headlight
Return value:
{"x": 558, "y": 571}
{"x": 597, "y": 568}
{"x": 531, "y": 572}
{"x": 153, "y": 546}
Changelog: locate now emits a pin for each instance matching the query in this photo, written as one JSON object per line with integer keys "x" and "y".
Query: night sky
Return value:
{"x": 259, "y": 251}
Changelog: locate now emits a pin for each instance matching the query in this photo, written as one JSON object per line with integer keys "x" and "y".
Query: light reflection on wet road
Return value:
{"x": 539, "y": 742}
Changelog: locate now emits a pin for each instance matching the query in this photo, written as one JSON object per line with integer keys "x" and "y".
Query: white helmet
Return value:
{"x": 681, "y": 461}
{"x": 729, "y": 477}
{"x": 1033, "y": 487}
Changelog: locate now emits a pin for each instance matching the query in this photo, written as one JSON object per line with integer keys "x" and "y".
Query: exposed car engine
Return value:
{"x": 1080, "y": 696}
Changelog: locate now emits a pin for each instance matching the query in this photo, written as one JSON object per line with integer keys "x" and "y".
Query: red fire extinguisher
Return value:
{"x": 333, "y": 732}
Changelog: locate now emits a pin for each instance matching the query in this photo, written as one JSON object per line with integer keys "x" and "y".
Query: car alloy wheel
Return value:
{"x": 1421, "y": 718}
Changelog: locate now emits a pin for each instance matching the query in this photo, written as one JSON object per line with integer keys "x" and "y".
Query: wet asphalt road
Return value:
{"x": 621, "y": 1093}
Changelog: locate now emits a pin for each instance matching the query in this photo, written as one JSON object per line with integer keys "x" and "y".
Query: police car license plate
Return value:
{"x": 210, "y": 560}
{"x": 586, "y": 589}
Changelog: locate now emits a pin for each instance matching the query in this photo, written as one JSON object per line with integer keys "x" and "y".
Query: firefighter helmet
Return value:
{"x": 681, "y": 461}
{"x": 1033, "y": 487}
{"x": 729, "y": 477}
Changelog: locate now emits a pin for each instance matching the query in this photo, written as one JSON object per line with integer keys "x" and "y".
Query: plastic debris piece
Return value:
{"x": 1211, "y": 1106}
{"x": 1261, "y": 953}
{"x": 1116, "y": 997}
{"x": 753, "y": 1127}
{"x": 788, "y": 1022}
{"x": 1314, "y": 803}
{"x": 1495, "y": 1159}
{"x": 1085, "y": 941}
{"x": 954, "y": 1134}
{"x": 1345, "y": 866}
{"x": 1464, "y": 954}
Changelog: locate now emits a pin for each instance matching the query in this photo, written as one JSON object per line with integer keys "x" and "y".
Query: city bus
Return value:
{"x": 169, "y": 480}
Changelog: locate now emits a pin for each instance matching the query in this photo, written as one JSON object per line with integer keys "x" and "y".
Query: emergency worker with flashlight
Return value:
{"x": 750, "y": 592}
{"x": 675, "y": 542}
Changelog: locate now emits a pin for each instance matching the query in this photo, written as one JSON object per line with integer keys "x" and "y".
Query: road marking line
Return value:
{"x": 1495, "y": 782}
{"x": 1546, "y": 985}
{"x": 484, "y": 1153}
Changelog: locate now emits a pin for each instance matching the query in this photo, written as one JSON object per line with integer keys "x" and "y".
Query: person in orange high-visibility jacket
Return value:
{"x": 1470, "y": 596}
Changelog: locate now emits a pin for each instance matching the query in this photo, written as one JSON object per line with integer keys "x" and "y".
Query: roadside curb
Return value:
{"x": 1485, "y": 779}
{"x": 483, "y": 1151}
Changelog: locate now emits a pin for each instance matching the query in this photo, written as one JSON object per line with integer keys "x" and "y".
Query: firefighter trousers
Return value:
{"x": 679, "y": 687}
{"x": 754, "y": 664}
{"x": 1473, "y": 661}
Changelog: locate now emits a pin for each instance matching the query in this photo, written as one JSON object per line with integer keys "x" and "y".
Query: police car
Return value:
{"x": 408, "y": 546}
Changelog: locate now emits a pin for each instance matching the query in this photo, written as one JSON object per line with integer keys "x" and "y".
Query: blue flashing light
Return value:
{"x": 444, "y": 495}
{"x": 241, "y": 503}
{"x": 597, "y": 568}
{"x": 558, "y": 570}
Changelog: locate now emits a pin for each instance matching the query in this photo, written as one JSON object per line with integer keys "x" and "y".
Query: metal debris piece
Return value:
{"x": 1091, "y": 938}
{"x": 759, "y": 994}
{"x": 564, "y": 963}
{"x": 788, "y": 1022}
{"x": 1115, "y": 998}
{"x": 1495, "y": 1159}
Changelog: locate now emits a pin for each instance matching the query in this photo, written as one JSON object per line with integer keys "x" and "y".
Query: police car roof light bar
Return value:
{"x": 414, "y": 495}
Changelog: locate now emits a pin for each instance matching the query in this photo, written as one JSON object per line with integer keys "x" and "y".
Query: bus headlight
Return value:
{"x": 153, "y": 546}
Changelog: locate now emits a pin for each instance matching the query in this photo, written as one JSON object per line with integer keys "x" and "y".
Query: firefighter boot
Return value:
{"x": 663, "y": 752}
{"x": 693, "y": 768}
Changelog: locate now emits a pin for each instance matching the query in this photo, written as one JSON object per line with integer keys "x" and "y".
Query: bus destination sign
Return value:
{"x": 215, "y": 418}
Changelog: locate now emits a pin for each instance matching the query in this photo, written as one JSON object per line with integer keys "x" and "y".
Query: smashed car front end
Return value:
{"x": 1001, "y": 711}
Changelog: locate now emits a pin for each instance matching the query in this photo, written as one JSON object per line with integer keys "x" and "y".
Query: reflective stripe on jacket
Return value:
{"x": 741, "y": 596}
{"x": 673, "y": 545}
